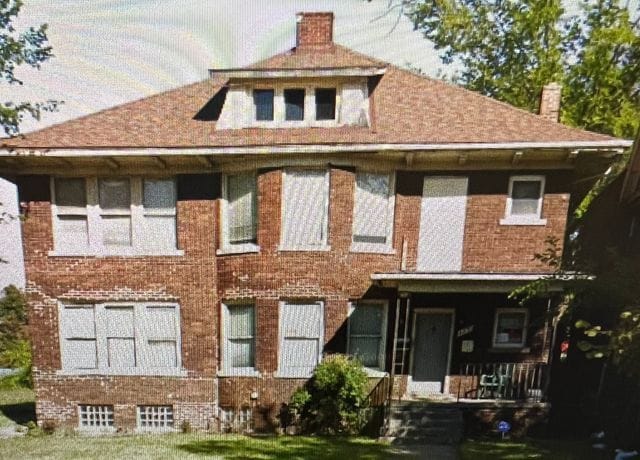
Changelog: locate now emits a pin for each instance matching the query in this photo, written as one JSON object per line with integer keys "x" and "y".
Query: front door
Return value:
{"x": 431, "y": 349}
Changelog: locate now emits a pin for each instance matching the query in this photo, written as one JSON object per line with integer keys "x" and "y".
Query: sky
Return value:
{"x": 108, "y": 52}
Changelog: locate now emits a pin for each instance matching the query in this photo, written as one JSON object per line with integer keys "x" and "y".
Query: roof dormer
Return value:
{"x": 316, "y": 84}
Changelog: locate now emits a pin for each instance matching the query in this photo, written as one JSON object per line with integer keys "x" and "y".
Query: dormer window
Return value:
{"x": 294, "y": 104}
{"x": 263, "y": 102}
{"x": 325, "y": 103}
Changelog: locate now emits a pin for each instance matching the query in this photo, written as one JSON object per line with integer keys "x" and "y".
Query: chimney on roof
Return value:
{"x": 550, "y": 101}
{"x": 314, "y": 30}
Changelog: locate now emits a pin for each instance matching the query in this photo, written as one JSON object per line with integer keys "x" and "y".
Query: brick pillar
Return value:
{"x": 550, "y": 101}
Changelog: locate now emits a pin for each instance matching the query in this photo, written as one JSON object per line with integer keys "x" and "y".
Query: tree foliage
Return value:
{"x": 29, "y": 47}
{"x": 509, "y": 49}
{"x": 15, "y": 351}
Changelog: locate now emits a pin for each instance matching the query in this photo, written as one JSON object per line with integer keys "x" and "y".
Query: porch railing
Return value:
{"x": 505, "y": 381}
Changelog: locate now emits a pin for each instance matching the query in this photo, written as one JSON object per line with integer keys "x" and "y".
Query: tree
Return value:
{"x": 28, "y": 47}
{"x": 509, "y": 49}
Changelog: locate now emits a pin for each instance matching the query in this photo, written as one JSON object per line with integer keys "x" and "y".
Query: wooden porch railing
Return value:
{"x": 505, "y": 381}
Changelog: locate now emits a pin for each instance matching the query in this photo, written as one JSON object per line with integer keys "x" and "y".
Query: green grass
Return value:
{"x": 188, "y": 446}
{"x": 485, "y": 449}
{"x": 16, "y": 406}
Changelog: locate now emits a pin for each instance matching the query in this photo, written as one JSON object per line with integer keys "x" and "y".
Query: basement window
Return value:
{"x": 236, "y": 421}
{"x": 95, "y": 417}
{"x": 524, "y": 202}
{"x": 155, "y": 417}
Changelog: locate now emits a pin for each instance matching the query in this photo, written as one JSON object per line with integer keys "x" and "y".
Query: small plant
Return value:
{"x": 185, "y": 427}
{"x": 48, "y": 427}
{"x": 334, "y": 400}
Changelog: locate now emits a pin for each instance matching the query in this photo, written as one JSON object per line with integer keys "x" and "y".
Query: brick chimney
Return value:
{"x": 550, "y": 101}
{"x": 314, "y": 30}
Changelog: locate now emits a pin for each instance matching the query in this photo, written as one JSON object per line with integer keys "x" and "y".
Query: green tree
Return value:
{"x": 28, "y": 47}
{"x": 15, "y": 351}
{"x": 509, "y": 49}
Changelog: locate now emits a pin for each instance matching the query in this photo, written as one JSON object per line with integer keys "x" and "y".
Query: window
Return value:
{"x": 236, "y": 421}
{"x": 95, "y": 416}
{"x": 367, "y": 332}
{"x": 120, "y": 338}
{"x": 239, "y": 339}
{"x": 301, "y": 332}
{"x": 510, "y": 328}
{"x": 155, "y": 417}
{"x": 119, "y": 216}
{"x": 70, "y": 210}
{"x": 373, "y": 212}
{"x": 305, "y": 204}
{"x": 239, "y": 214}
{"x": 294, "y": 104}
{"x": 325, "y": 103}
{"x": 524, "y": 203}
{"x": 263, "y": 103}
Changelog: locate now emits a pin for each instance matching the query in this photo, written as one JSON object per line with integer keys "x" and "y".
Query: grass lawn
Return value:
{"x": 531, "y": 449}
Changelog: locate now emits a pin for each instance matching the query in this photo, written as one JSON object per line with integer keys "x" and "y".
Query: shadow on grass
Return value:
{"x": 294, "y": 447}
{"x": 20, "y": 413}
{"x": 530, "y": 449}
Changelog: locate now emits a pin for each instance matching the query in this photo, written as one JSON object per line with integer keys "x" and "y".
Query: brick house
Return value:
{"x": 191, "y": 256}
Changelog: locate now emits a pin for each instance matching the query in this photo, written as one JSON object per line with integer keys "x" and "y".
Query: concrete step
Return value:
{"x": 419, "y": 422}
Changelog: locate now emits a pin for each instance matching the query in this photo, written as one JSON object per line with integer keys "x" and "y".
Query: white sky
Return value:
{"x": 111, "y": 51}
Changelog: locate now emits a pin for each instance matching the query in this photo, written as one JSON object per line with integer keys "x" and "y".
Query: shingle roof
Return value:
{"x": 406, "y": 108}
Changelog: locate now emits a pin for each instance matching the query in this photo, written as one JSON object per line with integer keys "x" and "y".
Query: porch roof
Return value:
{"x": 469, "y": 282}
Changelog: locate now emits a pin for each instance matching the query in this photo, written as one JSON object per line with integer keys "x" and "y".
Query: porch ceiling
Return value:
{"x": 467, "y": 282}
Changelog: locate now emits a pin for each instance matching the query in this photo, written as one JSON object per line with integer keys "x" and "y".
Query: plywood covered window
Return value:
{"x": 70, "y": 214}
{"x": 120, "y": 338}
{"x": 305, "y": 210}
{"x": 301, "y": 338}
{"x": 373, "y": 212}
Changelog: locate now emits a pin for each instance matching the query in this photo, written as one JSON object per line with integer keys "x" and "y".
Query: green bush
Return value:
{"x": 15, "y": 351}
{"x": 334, "y": 400}
{"x": 17, "y": 356}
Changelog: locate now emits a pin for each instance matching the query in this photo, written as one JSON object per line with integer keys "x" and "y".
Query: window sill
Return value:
{"x": 279, "y": 375}
{"x": 240, "y": 373}
{"x": 509, "y": 349}
{"x": 526, "y": 220}
{"x": 125, "y": 253}
{"x": 371, "y": 249}
{"x": 240, "y": 249}
{"x": 323, "y": 248}
{"x": 123, "y": 372}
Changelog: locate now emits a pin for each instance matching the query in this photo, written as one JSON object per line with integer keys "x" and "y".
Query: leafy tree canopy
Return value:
{"x": 509, "y": 49}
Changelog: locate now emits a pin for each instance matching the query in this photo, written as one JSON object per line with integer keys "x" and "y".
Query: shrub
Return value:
{"x": 333, "y": 400}
{"x": 15, "y": 351}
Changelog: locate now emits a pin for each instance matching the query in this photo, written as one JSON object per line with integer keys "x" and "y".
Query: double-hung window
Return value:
{"x": 294, "y": 104}
{"x": 373, "y": 212}
{"x": 510, "y": 327}
{"x": 239, "y": 213}
{"x": 263, "y": 104}
{"x": 367, "y": 332}
{"x": 305, "y": 210}
{"x": 239, "y": 339}
{"x": 114, "y": 216}
{"x": 301, "y": 338}
{"x": 120, "y": 338}
{"x": 524, "y": 203}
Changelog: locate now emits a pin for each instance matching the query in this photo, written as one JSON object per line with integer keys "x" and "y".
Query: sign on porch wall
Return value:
{"x": 465, "y": 330}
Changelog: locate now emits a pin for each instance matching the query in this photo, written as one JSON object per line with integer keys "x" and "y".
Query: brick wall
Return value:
{"x": 200, "y": 280}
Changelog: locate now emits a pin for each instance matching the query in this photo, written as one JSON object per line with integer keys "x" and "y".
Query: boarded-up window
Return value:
{"x": 373, "y": 212}
{"x": 160, "y": 333}
{"x": 305, "y": 209}
{"x": 159, "y": 203}
{"x": 71, "y": 229}
{"x": 239, "y": 345}
{"x": 115, "y": 211}
{"x": 121, "y": 346}
{"x": 78, "y": 337}
{"x": 301, "y": 332}
{"x": 367, "y": 323}
{"x": 240, "y": 226}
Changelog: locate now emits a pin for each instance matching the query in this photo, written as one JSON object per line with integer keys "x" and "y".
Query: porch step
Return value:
{"x": 414, "y": 422}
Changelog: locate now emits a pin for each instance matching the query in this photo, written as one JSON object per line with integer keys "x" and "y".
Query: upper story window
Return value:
{"x": 305, "y": 210}
{"x": 114, "y": 216}
{"x": 120, "y": 338}
{"x": 524, "y": 203}
{"x": 373, "y": 212}
{"x": 325, "y": 103}
{"x": 510, "y": 327}
{"x": 367, "y": 332}
{"x": 239, "y": 213}
{"x": 238, "y": 354}
{"x": 263, "y": 103}
{"x": 294, "y": 104}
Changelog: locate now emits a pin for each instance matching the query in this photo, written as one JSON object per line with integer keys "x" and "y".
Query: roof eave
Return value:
{"x": 252, "y": 74}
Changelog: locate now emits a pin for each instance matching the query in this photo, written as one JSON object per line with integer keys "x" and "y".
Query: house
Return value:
{"x": 190, "y": 257}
